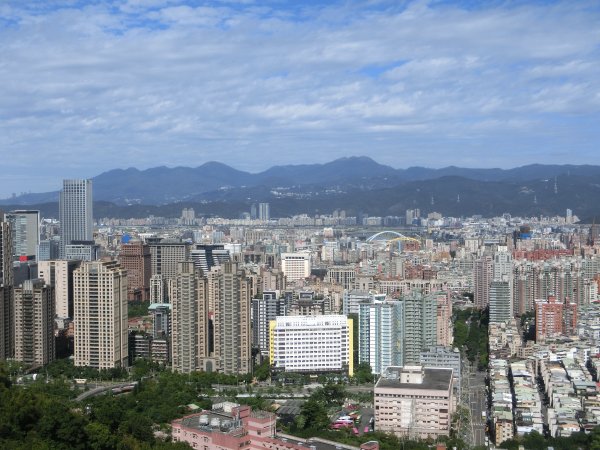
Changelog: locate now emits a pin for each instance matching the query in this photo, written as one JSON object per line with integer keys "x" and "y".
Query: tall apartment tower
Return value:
{"x": 501, "y": 308}
{"x": 158, "y": 289}
{"x": 25, "y": 227}
{"x": 76, "y": 213}
{"x": 34, "y": 323}
{"x": 135, "y": 259}
{"x": 264, "y": 310}
{"x": 232, "y": 335}
{"x": 189, "y": 319}
{"x": 59, "y": 274}
{"x": 100, "y": 298}
{"x": 483, "y": 273}
{"x": 264, "y": 211}
{"x": 7, "y": 324}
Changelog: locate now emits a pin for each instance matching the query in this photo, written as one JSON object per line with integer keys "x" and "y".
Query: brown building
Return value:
{"x": 554, "y": 318}
{"x": 135, "y": 258}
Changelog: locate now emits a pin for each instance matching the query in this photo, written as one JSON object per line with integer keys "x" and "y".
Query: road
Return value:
{"x": 477, "y": 405}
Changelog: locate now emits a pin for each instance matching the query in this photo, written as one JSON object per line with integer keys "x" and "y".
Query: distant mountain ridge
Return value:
{"x": 216, "y": 181}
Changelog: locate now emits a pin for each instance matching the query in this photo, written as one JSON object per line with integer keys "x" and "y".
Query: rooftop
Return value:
{"x": 436, "y": 379}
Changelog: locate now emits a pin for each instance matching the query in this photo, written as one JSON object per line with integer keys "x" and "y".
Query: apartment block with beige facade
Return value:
{"x": 100, "y": 302}
{"x": 415, "y": 402}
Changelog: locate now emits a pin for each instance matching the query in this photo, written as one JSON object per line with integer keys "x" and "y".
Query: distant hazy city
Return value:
{"x": 323, "y": 330}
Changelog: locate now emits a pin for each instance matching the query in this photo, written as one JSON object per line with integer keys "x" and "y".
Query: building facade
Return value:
{"x": 59, "y": 273}
{"x": 312, "y": 344}
{"x": 34, "y": 323}
{"x": 100, "y": 303}
{"x": 25, "y": 227}
{"x": 135, "y": 259}
{"x": 76, "y": 213}
{"x": 295, "y": 266}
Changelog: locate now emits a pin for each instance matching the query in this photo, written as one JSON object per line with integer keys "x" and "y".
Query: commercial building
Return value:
{"x": 100, "y": 301}
{"x": 82, "y": 251}
{"x": 25, "y": 227}
{"x": 312, "y": 344}
{"x": 34, "y": 323}
{"x": 206, "y": 256}
{"x": 415, "y": 402}
{"x": 165, "y": 254}
{"x": 295, "y": 266}
{"x": 75, "y": 213}
{"x": 135, "y": 259}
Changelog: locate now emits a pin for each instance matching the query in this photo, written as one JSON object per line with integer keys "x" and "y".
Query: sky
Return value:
{"x": 87, "y": 86}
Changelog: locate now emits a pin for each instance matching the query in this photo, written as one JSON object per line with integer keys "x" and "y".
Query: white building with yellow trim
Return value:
{"x": 312, "y": 344}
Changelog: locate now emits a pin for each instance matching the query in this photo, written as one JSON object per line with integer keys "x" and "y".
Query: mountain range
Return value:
{"x": 356, "y": 184}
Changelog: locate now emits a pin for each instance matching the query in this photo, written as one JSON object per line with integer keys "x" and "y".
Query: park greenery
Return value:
{"x": 137, "y": 309}
{"x": 471, "y": 335}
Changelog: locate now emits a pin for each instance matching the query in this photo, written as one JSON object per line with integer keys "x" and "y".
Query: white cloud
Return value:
{"x": 149, "y": 82}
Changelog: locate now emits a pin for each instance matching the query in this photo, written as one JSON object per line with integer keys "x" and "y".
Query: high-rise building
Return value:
{"x": 82, "y": 251}
{"x": 444, "y": 326}
{"x": 76, "y": 213}
{"x": 500, "y": 296}
{"x": 59, "y": 274}
{"x": 25, "y": 227}
{"x": 295, "y": 266}
{"x": 100, "y": 299}
{"x": 165, "y": 254}
{"x": 34, "y": 323}
{"x": 554, "y": 318}
{"x": 393, "y": 333}
{"x": 206, "y": 256}
{"x": 135, "y": 259}
{"x": 381, "y": 334}
{"x": 312, "y": 344}
{"x": 158, "y": 289}
{"x": 7, "y": 324}
{"x": 264, "y": 212}
{"x": 189, "y": 320}
{"x": 48, "y": 249}
{"x": 483, "y": 273}
{"x": 264, "y": 310}
{"x": 232, "y": 335}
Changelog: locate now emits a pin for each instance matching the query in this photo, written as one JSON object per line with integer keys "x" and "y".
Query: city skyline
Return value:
{"x": 90, "y": 87}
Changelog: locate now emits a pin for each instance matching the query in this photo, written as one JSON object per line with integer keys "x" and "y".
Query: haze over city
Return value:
{"x": 91, "y": 86}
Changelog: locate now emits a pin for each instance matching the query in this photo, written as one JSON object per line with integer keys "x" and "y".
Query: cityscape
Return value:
{"x": 240, "y": 225}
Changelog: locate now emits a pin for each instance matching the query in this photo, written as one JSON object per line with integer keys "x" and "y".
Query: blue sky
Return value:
{"x": 90, "y": 86}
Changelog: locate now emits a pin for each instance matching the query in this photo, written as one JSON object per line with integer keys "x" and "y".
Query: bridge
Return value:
{"x": 391, "y": 236}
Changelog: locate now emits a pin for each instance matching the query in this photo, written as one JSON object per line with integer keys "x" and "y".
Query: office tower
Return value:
{"x": 189, "y": 319}
{"x": 7, "y": 324}
{"x": 312, "y": 344}
{"x": 554, "y": 318}
{"x": 135, "y": 259}
{"x": 25, "y": 227}
{"x": 264, "y": 310}
{"x": 205, "y": 257}
{"x": 253, "y": 211}
{"x": 34, "y": 323}
{"x": 415, "y": 402}
{"x": 483, "y": 273}
{"x": 82, "y": 251}
{"x": 100, "y": 300}
{"x": 381, "y": 334}
{"x": 264, "y": 211}
{"x": 59, "y": 274}
{"x": 501, "y": 308}
{"x": 295, "y": 266}
{"x": 232, "y": 335}
{"x": 75, "y": 213}
{"x": 158, "y": 289}
{"x": 165, "y": 254}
